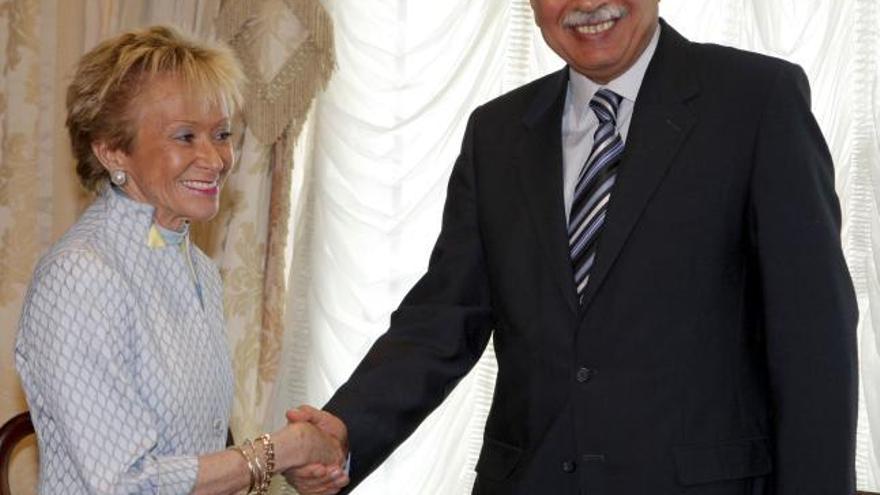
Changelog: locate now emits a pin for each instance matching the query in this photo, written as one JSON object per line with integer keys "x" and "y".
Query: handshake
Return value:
{"x": 312, "y": 451}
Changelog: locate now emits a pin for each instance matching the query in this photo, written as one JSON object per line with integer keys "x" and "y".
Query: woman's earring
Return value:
{"x": 118, "y": 177}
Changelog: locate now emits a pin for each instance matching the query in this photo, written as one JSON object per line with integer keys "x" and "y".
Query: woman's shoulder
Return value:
{"x": 76, "y": 271}
{"x": 72, "y": 284}
{"x": 83, "y": 254}
{"x": 80, "y": 244}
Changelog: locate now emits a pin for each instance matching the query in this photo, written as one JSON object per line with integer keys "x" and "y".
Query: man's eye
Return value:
{"x": 224, "y": 135}
{"x": 186, "y": 137}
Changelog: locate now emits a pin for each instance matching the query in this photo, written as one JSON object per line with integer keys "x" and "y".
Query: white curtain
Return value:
{"x": 379, "y": 147}
{"x": 384, "y": 136}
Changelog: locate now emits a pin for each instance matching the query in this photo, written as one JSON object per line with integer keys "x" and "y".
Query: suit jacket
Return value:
{"x": 714, "y": 351}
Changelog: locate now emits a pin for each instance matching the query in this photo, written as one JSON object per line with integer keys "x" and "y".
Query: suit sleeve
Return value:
{"x": 435, "y": 337}
{"x": 810, "y": 313}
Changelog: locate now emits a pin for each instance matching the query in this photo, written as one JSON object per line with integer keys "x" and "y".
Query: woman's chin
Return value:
{"x": 202, "y": 209}
{"x": 204, "y": 216}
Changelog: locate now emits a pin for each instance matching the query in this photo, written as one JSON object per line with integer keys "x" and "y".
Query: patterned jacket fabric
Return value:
{"x": 127, "y": 377}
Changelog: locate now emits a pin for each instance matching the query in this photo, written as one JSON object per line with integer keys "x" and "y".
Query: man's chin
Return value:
{"x": 599, "y": 72}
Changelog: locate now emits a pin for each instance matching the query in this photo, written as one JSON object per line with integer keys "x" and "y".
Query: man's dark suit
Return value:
{"x": 714, "y": 352}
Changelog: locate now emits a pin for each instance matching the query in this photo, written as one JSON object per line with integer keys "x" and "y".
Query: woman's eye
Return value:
{"x": 186, "y": 137}
{"x": 224, "y": 135}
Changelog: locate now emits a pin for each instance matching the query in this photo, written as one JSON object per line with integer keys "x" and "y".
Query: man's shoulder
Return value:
{"x": 724, "y": 65}
{"x": 517, "y": 102}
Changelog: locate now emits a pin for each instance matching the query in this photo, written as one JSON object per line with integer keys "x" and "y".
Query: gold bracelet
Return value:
{"x": 259, "y": 469}
{"x": 250, "y": 465}
{"x": 261, "y": 480}
{"x": 269, "y": 453}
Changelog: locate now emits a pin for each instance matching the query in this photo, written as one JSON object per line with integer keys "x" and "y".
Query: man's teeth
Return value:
{"x": 595, "y": 28}
{"x": 200, "y": 185}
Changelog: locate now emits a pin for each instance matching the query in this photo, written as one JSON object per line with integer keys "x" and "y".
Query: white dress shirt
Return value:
{"x": 579, "y": 122}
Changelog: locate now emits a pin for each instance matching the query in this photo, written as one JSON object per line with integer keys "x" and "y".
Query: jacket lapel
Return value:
{"x": 540, "y": 172}
{"x": 661, "y": 122}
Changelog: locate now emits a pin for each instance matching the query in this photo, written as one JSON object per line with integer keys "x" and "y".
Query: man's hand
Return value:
{"x": 319, "y": 479}
{"x": 325, "y": 421}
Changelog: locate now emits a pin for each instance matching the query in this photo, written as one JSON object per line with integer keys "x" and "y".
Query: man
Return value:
{"x": 653, "y": 235}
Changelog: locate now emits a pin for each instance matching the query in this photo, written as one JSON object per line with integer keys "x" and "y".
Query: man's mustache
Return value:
{"x": 599, "y": 15}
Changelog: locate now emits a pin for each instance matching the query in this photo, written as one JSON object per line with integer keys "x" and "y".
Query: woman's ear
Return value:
{"x": 111, "y": 159}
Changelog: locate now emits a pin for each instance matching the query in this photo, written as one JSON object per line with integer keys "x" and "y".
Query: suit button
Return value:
{"x": 584, "y": 375}
{"x": 568, "y": 466}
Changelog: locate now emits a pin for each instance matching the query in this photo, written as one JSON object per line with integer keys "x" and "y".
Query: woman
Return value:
{"x": 121, "y": 346}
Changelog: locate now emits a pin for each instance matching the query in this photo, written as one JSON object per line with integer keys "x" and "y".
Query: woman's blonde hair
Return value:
{"x": 111, "y": 76}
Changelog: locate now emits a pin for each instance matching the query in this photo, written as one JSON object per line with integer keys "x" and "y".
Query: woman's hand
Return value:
{"x": 300, "y": 444}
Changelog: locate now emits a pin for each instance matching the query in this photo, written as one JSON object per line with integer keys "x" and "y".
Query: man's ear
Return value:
{"x": 111, "y": 159}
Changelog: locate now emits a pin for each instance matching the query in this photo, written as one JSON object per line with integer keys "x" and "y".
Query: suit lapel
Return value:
{"x": 539, "y": 166}
{"x": 661, "y": 123}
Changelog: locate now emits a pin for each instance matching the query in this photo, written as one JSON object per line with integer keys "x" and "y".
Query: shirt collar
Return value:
{"x": 157, "y": 236}
{"x": 626, "y": 85}
{"x": 160, "y": 237}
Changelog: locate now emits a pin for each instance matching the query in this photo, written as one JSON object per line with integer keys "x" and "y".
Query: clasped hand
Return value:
{"x": 323, "y": 452}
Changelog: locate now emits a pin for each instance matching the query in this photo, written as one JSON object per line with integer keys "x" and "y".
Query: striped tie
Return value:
{"x": 593, "y": 190}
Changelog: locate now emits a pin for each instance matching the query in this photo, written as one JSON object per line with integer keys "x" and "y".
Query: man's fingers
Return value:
{"x": 309, "y": 409}
{"x": 310, "y": 486}
{"x": 330, "y": 488}
{"x": 341, "y": 481}
{"x": 315, "y": 475}
{"x": 315, "y": 485}
{"x": 299, "y": 414}
{"x": 317, "y": 479}
{"x": 304, "y": 413}
{"x": 312, "y": 471}
{"x": 325, "y": 421}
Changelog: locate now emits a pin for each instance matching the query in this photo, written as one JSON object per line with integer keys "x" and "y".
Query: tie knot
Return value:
{"x": 605, "y": 104}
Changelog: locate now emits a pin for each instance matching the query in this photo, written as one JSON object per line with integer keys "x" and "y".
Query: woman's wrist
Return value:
{"x": 290, "y": 447}
{"x": 259, "y": 456}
